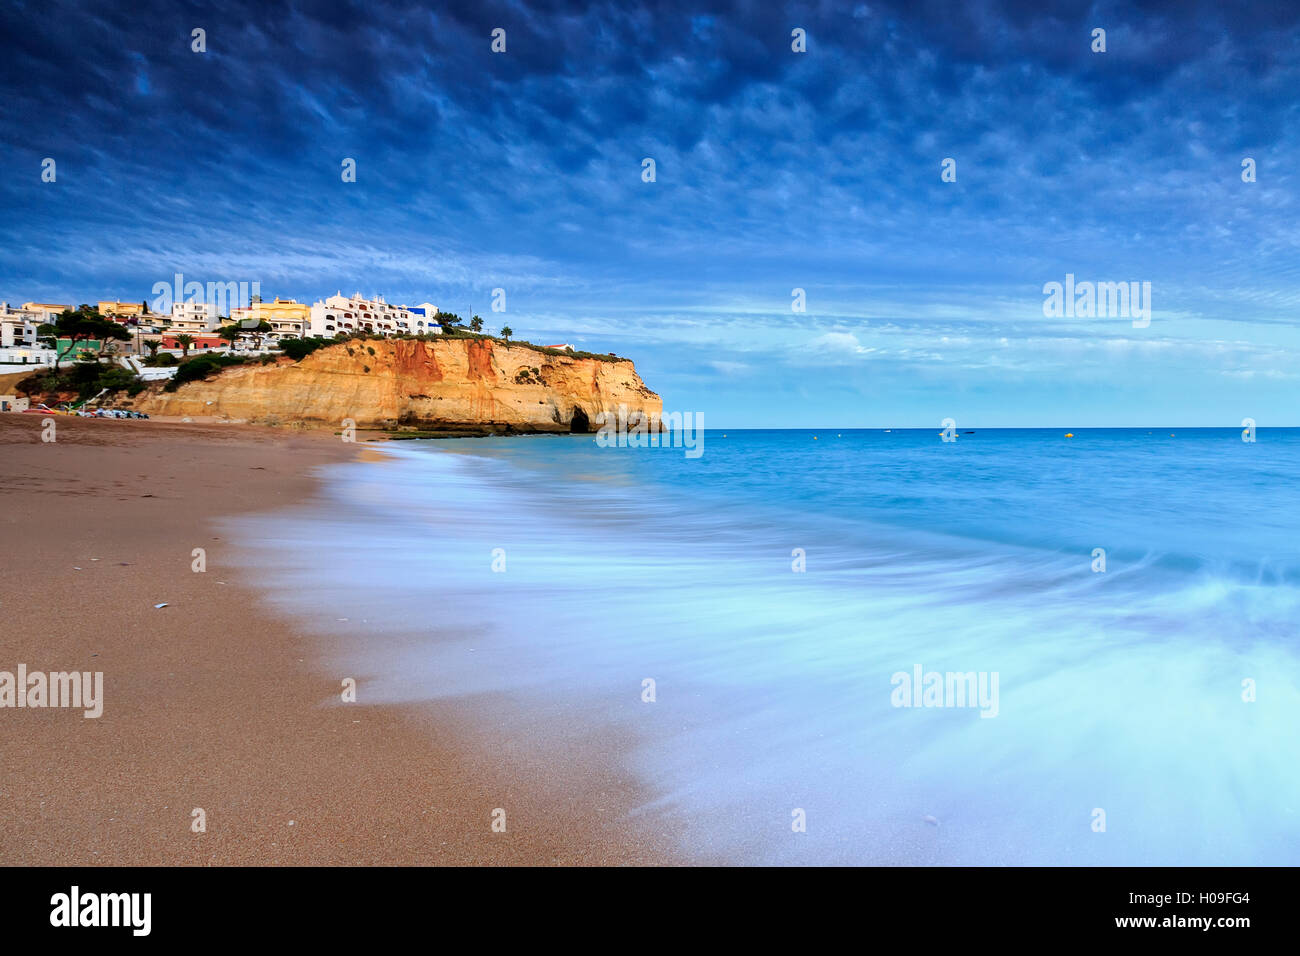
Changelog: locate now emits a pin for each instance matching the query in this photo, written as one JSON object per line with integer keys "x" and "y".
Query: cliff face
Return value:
{"x": 471, "y": 384}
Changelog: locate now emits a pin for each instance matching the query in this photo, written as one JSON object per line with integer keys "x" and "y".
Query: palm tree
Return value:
{"x": 184, "y": 341}
{"x": 476, "y": 324}
{"x": 506, "y": 332}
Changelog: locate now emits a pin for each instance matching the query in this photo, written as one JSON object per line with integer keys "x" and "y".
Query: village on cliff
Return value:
{"x": 132, "y": 340}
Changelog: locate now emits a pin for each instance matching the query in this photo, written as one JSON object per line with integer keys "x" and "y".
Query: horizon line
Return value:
{"x": 975, "y": 428}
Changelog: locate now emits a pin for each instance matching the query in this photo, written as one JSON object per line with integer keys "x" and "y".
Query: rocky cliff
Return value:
{"x": 449, "y": 384}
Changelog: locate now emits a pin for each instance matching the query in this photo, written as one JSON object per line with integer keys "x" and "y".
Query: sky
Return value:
{"x": 774, "y": 170}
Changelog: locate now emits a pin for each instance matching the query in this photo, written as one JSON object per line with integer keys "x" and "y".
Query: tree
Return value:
{"x": 84, "y": 324}
{"x": 69, "y": 324}
{"x": 257, "y": 331}
{"x": 230, "y": 333}
{"x": 476, "y": 324}
{"x": 152, "y": 345}
{"x": 184, "y": 341}
{"x": 506, "y": 332}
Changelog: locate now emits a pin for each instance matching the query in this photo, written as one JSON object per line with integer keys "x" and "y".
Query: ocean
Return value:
{"x": 850, "y": 646}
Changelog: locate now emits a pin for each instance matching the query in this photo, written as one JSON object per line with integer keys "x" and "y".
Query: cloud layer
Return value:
{"x": 775, "y": 170}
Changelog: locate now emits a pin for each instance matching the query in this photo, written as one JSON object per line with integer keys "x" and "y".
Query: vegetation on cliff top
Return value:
{"x": 452, "y": 332}
{"x": 211, "y": 363}
{"x": 85, "y": 379}
{"x": 208, "y": 364}
{"x": 298, "y": 349}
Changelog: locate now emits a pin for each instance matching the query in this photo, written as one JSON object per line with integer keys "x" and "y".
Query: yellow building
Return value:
{"x": 49, "y": 310}
{"x": 285, "y": 316}
{"x": 124, "y": 309}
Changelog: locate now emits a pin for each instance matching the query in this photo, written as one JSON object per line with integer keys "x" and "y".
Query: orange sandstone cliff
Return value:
{"x": 449, "y": 384}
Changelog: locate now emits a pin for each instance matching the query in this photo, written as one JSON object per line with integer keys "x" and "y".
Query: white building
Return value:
{"x": 18, "y": 343}
{"x": 193, "y": 318}
{"x": 19, "y": 355}
{"x": 18, "y": 326}
{"x": 355, "y": 314}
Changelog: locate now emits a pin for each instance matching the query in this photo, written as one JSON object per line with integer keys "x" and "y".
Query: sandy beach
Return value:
{"x": 214, "y": 702}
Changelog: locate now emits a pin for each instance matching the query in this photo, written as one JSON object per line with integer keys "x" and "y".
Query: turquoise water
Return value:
{"x": 1118, "y": 691}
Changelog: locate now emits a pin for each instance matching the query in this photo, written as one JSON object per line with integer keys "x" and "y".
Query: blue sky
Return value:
{"x": 775, "y": 170}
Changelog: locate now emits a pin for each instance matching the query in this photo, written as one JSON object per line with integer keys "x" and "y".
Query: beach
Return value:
{"x": 217, "y": 703}
{"x": 641, "y": 657}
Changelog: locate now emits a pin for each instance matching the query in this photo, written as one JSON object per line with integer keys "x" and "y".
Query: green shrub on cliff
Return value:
{"x": 116, "y": 378}
{"x": 202, "y": 367}
{"x": 87, "y": 379}
{"x": 298, "y": 349}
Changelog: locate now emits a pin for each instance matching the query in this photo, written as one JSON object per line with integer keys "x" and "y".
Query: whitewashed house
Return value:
{"x": 353, "y": 313}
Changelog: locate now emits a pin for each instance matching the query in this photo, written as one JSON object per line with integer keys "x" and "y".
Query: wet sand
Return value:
{"x": 214, "y": 702}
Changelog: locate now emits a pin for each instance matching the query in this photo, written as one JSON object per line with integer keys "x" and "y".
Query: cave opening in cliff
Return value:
{"x": 579, "y": 422}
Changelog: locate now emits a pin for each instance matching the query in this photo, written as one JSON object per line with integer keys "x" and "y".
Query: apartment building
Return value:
{"x": 353, "y": 313}
{"x": 193, "y": 318}
{"x": 287, "y": 318}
